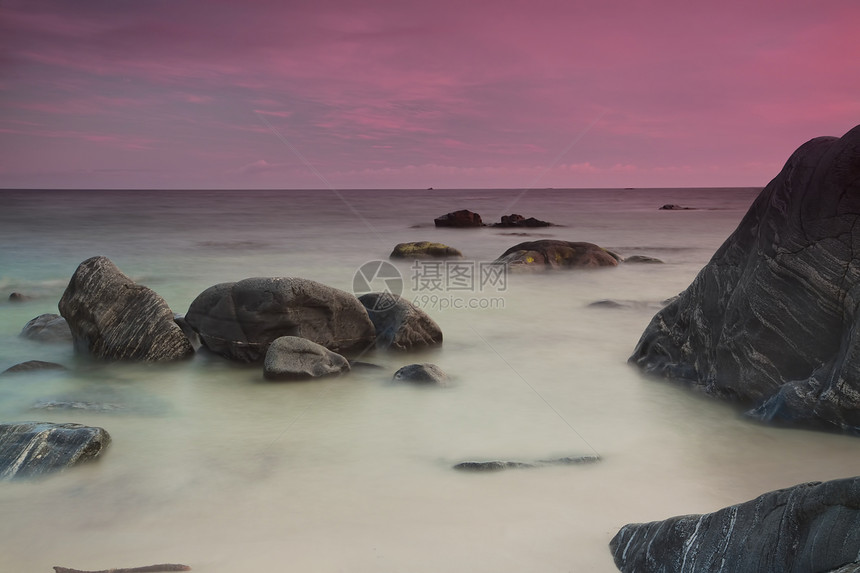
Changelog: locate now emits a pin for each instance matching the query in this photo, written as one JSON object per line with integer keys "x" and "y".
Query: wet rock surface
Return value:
{"x": 772, "y": 320}
{"x": 111, "y": 317}
{"x": 554, "y": 254}
{"x": 293, "y": 358}
{"x": 424, "y": 250}
{"x": 399, "y": 324}
{"x": 239, "y": 320}
{"x": 31, "y": 449}
{"x": 810, "y": 527}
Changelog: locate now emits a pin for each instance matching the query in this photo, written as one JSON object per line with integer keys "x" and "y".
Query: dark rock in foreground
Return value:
{"x": 294, "y": 358}
{"x": 425, "y": 373}
{"x": 462, "y": 218}
{"x": 516, "y": 220}
{"x": 424, "y": 250}
{"x": 553, "y": 254}
{"x": 772, "y": 320}
{"x": 239, "y": 320}
{"x": 47, "y": 328}
{"x": 113, "y": 318}
{"x": 499, "y": 465}
{"x": 399, "y": 324}
{"x": 32, "y": 365}
{"x": 812, "y": 527}
{"x": 30, "y": 449}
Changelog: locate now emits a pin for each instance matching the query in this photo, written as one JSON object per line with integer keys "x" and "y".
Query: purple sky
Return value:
{"x": 402, "y": 94}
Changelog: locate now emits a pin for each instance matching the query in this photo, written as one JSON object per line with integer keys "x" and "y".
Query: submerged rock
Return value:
{"x": 425, "y": 373}
{"x": 399, "y": 324}
{"x": 294, "y": 358}
{"x": 554, "y": 254}
{"x": 31, "y": 365}
{"x": 19, "y": 297}
{"x": 674, "y": 207}
{"x": 239, "y": 320}
{"x": 29, "y": 449}
{"x": 773, "y": 320}
{"x": 462, "y": 218}
{"x": 812, "y": 527}
{"x": 47, "y": 328}
{"x": 643, "y": 259}
{"x": 424, "y": 250}
{"x": 499, "y": 465}
{"x": 114, "y": 318}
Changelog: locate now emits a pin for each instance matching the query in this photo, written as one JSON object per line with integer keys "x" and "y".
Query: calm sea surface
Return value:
{"x": 212, "y": 466}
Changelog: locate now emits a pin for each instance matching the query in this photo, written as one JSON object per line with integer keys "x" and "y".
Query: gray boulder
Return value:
{"x": 554, "y": 254}
{"x": 113, "y": 318}
{"x": 808, "y": 528}
{"x": 772, "y": 320}
{"x": 422, "y": 374}
{"x": 47, "y": 328}
{"x": 294, "y": 358}
{"x": 399, "y": 324}
{"x": 239, "y": 320}
{"x": 30, "y": 449}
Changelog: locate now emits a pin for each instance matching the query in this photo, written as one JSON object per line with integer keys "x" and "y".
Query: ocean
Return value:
{"x": 212, "y": 466}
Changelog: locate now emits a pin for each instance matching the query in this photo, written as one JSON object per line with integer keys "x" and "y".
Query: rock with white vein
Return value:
{"x": 808, "y": 528}
{"x": 30, "y": 449}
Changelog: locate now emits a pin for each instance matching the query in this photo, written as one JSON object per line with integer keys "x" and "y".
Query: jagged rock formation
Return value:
{"x": 808, "y": 528}
{"x": 239, "y": 320}
{"x": 294, "y": 358}
{"x": 772, "y": 320}
{"x": 553, "y": 254}
{"x": 113, "y": 318}
{"x": 424, "y": 250}
{"x": 29, "y": 449}
{"x": 399, "y": 324}
{"x": 47, "y": 328}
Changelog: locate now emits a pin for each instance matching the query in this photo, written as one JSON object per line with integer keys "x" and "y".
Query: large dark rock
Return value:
{"x": 400, "y": 324}
{"x": 772, "y": 319}
{"x": 29, "y": 449}
{"x": 462, "y": 218}
{"x": 808, "y": 528}
{"x": 47, "y": 328}
{"x": 424, "y": 250}
{"x": 114, "y": 318}
{"x": 553, "y": 254}
{"x": 239, "y": 320}
{"x": 294, "y": 358}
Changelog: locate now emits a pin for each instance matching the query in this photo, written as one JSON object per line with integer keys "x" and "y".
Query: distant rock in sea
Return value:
{"x": 553, "y": 254}
{"x": 809, "y": 527}
{"x": 113, "y": 318}
{"x": 674, "y": 207}
{"x": 424, "y": 250}
{"x": 462, "y": 218}
{"x": 425, "y": 373}
{"x": 515, "y": 220}
{"x": 773, "y": 320}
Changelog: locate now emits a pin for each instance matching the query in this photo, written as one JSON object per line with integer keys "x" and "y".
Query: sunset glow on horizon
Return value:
{"x": 384, "y": 94}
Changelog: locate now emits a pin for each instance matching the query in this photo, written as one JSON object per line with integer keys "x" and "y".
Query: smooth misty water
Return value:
{"x": 214, "y": 467}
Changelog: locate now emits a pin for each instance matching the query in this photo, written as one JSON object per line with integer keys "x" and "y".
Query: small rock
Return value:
{"x": 642, "y": 259}
{"x": 425, "y": 373}
{"x": 31, "y": 365}
{"x": 47, "y": 328}
{"x": 399, "y": 324}
{"x": 29, "y": 449}
{"x": 424, "y": 250}
{"x": 294, "y": 358}
{"x": 19, "y": 297}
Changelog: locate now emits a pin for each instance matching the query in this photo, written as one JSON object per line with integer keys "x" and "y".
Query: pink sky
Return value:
{"x": 400, "y": 94}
